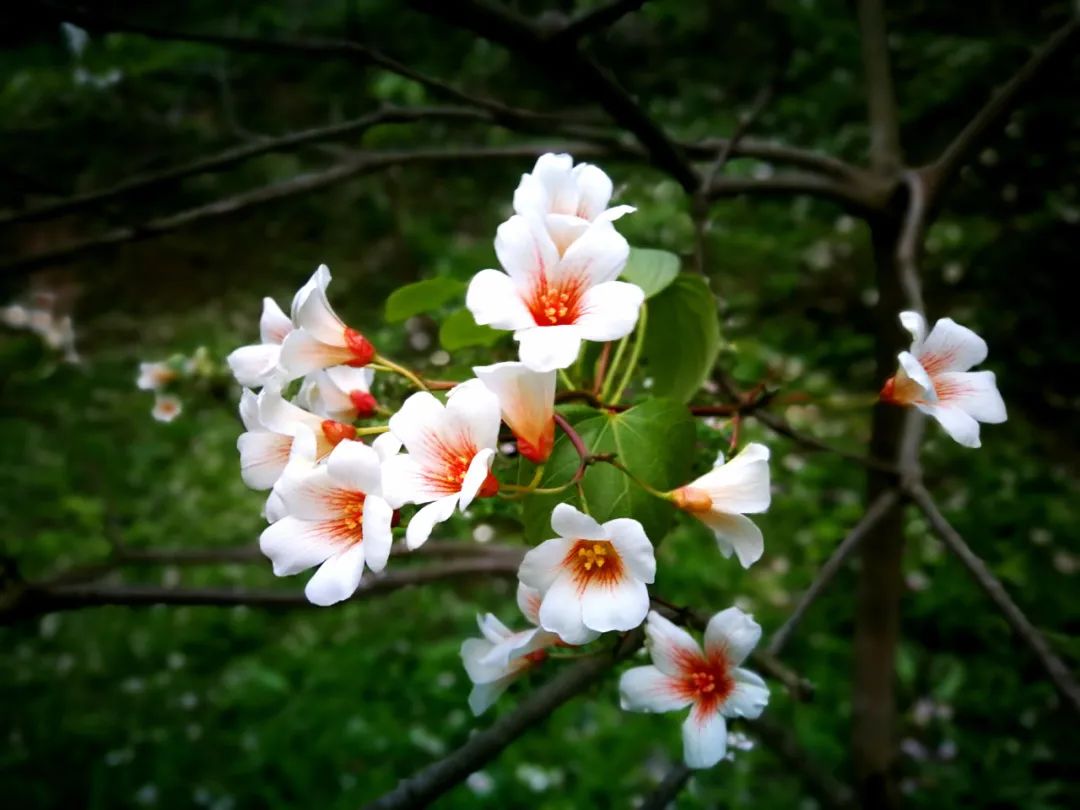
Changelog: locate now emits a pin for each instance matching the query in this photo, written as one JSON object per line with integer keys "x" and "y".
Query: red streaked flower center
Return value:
{"x": 706, "y": 681}
{"x": 454, "y": 458}
{"x": 594, "y": 562}
{"x": 556, "y": 303}
{"x": 348, "y": 526}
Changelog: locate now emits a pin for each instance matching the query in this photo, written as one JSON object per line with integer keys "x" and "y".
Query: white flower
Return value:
{"x": 257, "y": 364}
{"x": 321, "y": 339}
{"x": 166, "y": 407}
{"x": 527, "y": 402}
{"x": 155, "y": 376}
{"x": 342, "y": 393}
{"x": 502, "y": 655}
{"x": 721, "y": 497}
{"x": 450, "y": 450}
{"x": 593, "y": 577}
{"x": 555, "y": 300}
{"x": 567, "y": 198}
{"x": 934, "y": 377}
{"x": 336, "y": 519}
{"x": 712, "y": 682}
{"x": 15, "y": 316}
{"x": 270, "y": 425}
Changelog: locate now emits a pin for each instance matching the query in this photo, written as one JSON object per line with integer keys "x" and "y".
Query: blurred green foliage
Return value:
{"x": 235, "y": 708}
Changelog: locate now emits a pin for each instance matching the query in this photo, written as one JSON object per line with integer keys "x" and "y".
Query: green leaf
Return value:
{"x": 423, "y": 296}
{"x": 654, "y": 440}
{"x": 460, "y": 330}
{"x": 652, "y": 270}
{"x": 683, "y": 337}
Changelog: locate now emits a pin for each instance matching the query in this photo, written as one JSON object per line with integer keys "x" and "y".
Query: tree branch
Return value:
{"x": 941, "y": 172}
{"x": 1055, "y": 668}
{"x": 432, "y": 781}
{"x": 860, "y": 198}
{"x": 885, "y": 154}
{"x": 875, "y": 512}
{"x": 668, "y": 789}
{"x": 595, "y": 20}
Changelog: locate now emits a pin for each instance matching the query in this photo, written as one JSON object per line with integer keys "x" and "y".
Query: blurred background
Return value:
{"x": 237, "y": 707}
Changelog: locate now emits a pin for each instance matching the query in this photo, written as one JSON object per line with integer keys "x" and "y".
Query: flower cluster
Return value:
{"x": 166, "y": 378}
{"x": 308, "y": 404}
{"x": 40, "y": 316}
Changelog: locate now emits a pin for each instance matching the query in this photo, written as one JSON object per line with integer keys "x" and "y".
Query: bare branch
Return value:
{"x": 668, "y": 789}
{"x": 595, "y": 20}
{"x": 941, "y": 171}
{"x": 30, "y": 601}
{"x": 514, "y": 32}
{"x": 427, "y": 784}
{"x": 877, "y": 510}
{"x": 1055, "y": 668}
{"x": 910, "y": 241}
{"x": 860, "y": 198}
{"x": 885, "y": 154}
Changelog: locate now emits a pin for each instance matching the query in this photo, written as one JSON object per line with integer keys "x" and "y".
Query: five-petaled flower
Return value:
{"x": 450, "y": 450}
{"x": 721, "y": 497}
{"x": 321, "y": 339}
{"x": 155, "y": 376}
{"x": 567, "y": 198}
{"x": 257, "y": 365}
{"x": 527, "y": 402}
{"x": 934, "y": 377}
{"x": 711, "y": 681}
{"x": 553, "y": 299}
{"x": 270, "y": 425}
{"x": 166, "y": 407}
{"x": 593, "y": 577}
{"x": 335, "y": 518}
{"x": 342, "y": 393}
{"x": 503, "y": 655}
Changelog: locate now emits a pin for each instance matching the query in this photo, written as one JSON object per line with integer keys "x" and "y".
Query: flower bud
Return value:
{"x": 692, "y": 500}
{"x": 337, "y": 432}
{"x": 362, "y": 349}
{"x": 489, "y": 488}
{"x": 364, "y": 403}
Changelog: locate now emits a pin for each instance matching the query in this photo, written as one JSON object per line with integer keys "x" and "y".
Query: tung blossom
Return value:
{"x": 155, "y": 376}
{"x": 342, "y": 393}
{"x": 721, "y": 497}
{"x": 335, "y": 518}
{"x": 450, "y": 450}
{"x": 527, "y": 402}
{"x": 270, "y": 426}
{"x": 321, "y": 339}
{"x": 503, "y": 655}
{"x": 567, "y": 198}
{"x": 553, "y": 299}
{"x": 166, "y": 407}
{"x": 934, "y": 377}
{"x": 710, "y": 681}
{"x": 256, "y": 365}
{"x": 593, "y": 578}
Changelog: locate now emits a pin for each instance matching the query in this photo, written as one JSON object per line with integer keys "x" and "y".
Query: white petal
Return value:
{"x": 294, "y": 545}
{"x": 319, "y": 279}
{"x": 337, "y": 578}
{"x": 546, "y": 348}
{"x": 274, "y": 324}
{"x": 560, "y": 612}
{"x": 732, "y": 633}
{"x": 565, "y": 229}
{"x": 530, "y": 197}
{"x": 614, "y": 213}
{"x": 974, "y": 392}
{"x": 274, "y": 509}
{"x": 475, "y": 476}
{"x": 610, "y": 310}
{"x": 553, "y": 171}
{"x": 423, "y": 522}
{"x": 318, "y": 318}
{"x": 348, "y": 378}
{"x": 735, "y": 533}
{"x": 910, "y": 366}
{"x": 473, "y": 410}
{"x": 484, "y": 695}
{"x": 378, "y": 536}
{"x": 622, "y": 605}
{"x": 386, "y": 446}
{"x": 355, "y": 466}
{"x": 628, "y": 537}
{"x": 528, "y": 602}
{"x": 951, "y": 347}
{"x": 302, "y": 353}
{"x": 311, "y": 495}
{"x": 915, "y": 323}
{"x": 525, "y": 250}
{"x": 574, "y": 524}
{"x": 250, "y": 365}
{"x": 742, "y": 484}
{"x": 647, "y": 689}
{"x": 749, "y": 698}
{"x": 957, "y": 423}
{"x": 594, "y": 190}
{"x": 474, "y": 655}
{"x": 494, "y": 300}
{"x": 263, "y": 456}
{"x": 416, "y": 423}
{"x": 403, "y": 482}
{"x": 249, "y": 410}
{"x": 704, "y": 739}
{"x": 599, "y": 255}
{"x": 671, "y": 647}
{"x": 543, "y": 564}
{"x": 526, "y": 398}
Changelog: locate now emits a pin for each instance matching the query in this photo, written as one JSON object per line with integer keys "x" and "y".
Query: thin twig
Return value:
{"x": 1055, "y": 668}
{"x": 668, "y": 789}
{"x": 595, "y": 20}
{"x": 878, "y": 509}
{"x": 432, "y": 781}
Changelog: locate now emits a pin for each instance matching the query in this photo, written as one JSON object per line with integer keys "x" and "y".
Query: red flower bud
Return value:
{"x": 489, "y": 488}
{"x": 362, "y": 350}
{"x": 364, "y": 403}
{"x": 337, "y": 432}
